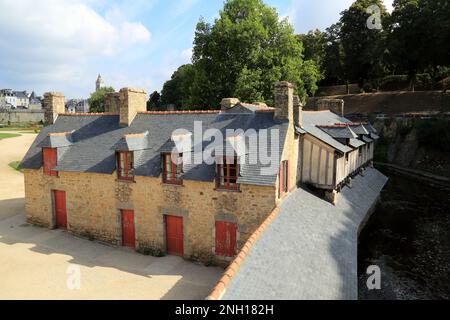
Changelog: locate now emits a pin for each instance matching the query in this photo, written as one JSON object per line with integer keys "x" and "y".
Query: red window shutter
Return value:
{"x": 287, "y": 175}
{"x": 280, "y": 181}
{"x": 50, "y": 161}
{"x": 226, "y": 238}
{"x": 125, "y": 165}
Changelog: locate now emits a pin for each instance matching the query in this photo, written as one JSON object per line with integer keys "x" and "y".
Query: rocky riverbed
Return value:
{"x": 408, "y": 237}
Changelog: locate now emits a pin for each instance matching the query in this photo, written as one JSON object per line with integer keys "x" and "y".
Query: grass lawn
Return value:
{"x": 15, "y": 165}
{"x": 21, "y": 130}
{"x": 8, "y": 135}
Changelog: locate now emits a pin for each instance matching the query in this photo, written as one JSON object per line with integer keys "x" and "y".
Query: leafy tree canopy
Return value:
{"x": 97, "y": 99}
{"x": 242, "y": 55}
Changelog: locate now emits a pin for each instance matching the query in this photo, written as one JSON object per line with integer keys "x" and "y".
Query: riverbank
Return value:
{"x": 408, "y": 237}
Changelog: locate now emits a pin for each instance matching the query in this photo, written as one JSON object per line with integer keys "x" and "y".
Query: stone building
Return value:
{"x": 194, "y": 183}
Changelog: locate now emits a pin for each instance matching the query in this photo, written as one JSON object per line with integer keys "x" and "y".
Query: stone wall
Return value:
{"x": 132, "y": 101}
{"x": 21, "y": 116}
{"x": 94, "y": 202}
{"x": 112, "y": 102}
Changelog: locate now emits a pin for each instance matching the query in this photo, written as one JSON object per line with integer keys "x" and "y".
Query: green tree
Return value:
{"x": 97, "y": 99}
{"x": 314, "y": 44}
{"x": 242, "y": 55}
{"x": 333, "y": 62}
{"x": 362, "y": 46}
{"x": 177, "y": 90}
{"x": 154, "y": 101}
{"x": 405, "y": 28}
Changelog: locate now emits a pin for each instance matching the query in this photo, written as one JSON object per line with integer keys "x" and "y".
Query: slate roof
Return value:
{"x": 359, "y": 129}
{"x": 328, "y": 127}
{"x": 356, "y": 143}
{"x": 339, "y": 132}
{"x": 96, "y": 138}
{"x": 313, "y": 118}
{"x": 310, "y": 249}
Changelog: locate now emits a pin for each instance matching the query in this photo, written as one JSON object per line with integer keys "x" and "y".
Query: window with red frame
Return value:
{"x": 50, "y": 161}
{"x": 172, "y": 168}
{"x": 283, "y": 178}
{"x": 227, "y": 174}
{"x": 125, "y": 165}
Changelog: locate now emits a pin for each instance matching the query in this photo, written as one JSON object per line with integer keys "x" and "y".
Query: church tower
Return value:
{"x": 99, "y": 83}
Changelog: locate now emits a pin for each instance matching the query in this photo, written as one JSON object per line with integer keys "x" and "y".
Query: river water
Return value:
{"x": 408, "y": 237}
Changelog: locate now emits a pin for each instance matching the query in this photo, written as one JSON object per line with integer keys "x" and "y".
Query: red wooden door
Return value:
{"x": 60, "y": 209}
{"x": 174, "y": 235}
{"x": 128, "y": 234}
{"x": 225, "y": 238}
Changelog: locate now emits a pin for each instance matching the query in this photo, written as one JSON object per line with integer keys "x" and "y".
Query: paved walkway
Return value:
{"x": 38, "y": 263}
{"x": 309, "y": 251}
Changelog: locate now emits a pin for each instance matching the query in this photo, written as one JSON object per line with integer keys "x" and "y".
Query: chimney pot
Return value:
{"x": 298, "y": 112}
{"x": 334, "y": 105}
{"x": 132, "y": 101}
{"x": 228, "y": 103}
{"x": 54, "y": 103}
{"x": 284, "y": 100}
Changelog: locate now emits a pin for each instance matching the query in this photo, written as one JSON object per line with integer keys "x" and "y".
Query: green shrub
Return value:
{"x": 434, "y": 133}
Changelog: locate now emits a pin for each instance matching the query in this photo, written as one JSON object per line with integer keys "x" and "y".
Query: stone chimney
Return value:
{"x": 284, "y": 101}
{"x": 228, "y": 103}
{"x": 132, "y": 101}
{"x": 112, "y": 102}
{"x": 334, "y": 105}
{"x": 298, "y": 112}
{"x": 54, "y": 104}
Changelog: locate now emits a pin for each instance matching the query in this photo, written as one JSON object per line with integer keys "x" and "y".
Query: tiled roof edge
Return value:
{"x": 179, "y": 112}
{"x": 221, "y": 286}
{"x": 87, "y": 114}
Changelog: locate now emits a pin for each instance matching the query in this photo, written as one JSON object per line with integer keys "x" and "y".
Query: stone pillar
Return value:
{"x": 334, "y": 105}
{"x": 298, "y": 112}
{"x": 53, "y": 104}
{"x": 228, "y": 103}
{"x": 284, "y": 101}
{"x": 132, "y": 101}
{"x": 331, "y": 196}
{"x": 112, "y": 102}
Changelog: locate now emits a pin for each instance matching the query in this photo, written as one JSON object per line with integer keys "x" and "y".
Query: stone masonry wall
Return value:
{"x": 94, "y": 202}
{"x": 21, "y": 116}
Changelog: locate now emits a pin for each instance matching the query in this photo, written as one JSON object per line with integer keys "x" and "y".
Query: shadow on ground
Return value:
{"x": 195, "y": 280}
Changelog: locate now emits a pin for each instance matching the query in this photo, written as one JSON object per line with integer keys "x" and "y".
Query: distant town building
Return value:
{"x": 99, "y": 83}
{"x": 10, "y": 99}
{"x": 77, "y": 106}
{"x": 22, "y": 99}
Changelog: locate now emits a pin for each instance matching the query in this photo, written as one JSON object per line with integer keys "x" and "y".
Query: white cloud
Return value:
{"x": 52, "y": 40}
{"x": 308, "y": 15}
{"x": 182, "y": 6}
{"x": 187, "y": 55}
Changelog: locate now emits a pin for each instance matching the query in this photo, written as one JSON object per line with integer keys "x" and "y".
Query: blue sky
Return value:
{"x": 61, "y": 45}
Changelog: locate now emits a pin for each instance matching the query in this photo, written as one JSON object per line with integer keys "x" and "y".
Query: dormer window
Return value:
{"x": 227, "y": 174}
{"x": 125, "y": 165}
{"x": 50, "y": 161}
{"x": 172, "y": 168}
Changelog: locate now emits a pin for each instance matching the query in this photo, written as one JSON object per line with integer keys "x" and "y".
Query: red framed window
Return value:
{"x": 125, "y": 165}
{"x": 227, "y": 174}
{"x": 283, "y": 178}
{"x": 172, "y": 168}
{"x": 226, "y": 234}
{"x": 50, "y": 160}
